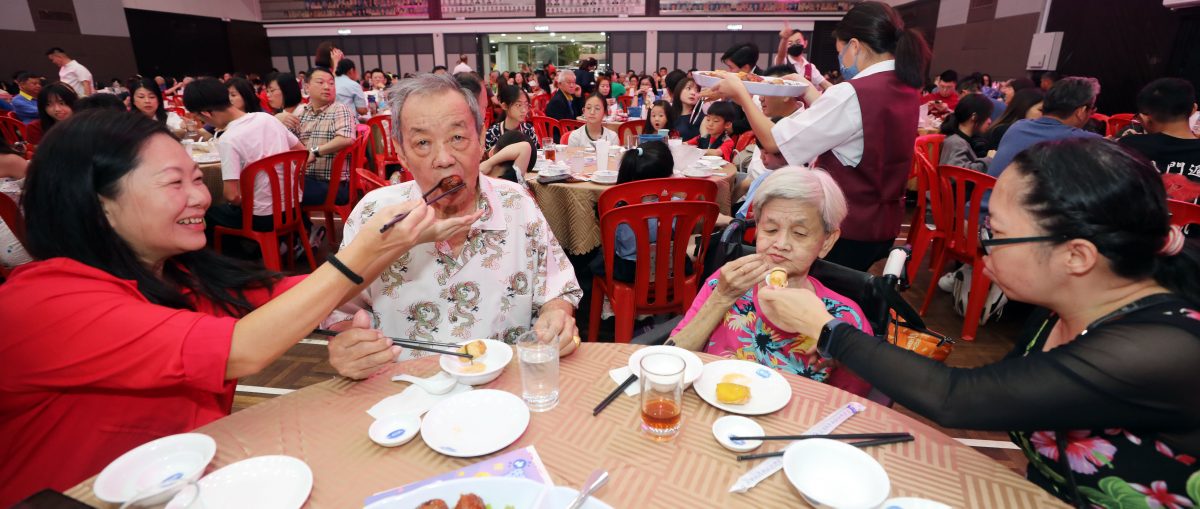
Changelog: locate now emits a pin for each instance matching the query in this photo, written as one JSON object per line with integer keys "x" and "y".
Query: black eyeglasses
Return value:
{"x": 987, "y": 240}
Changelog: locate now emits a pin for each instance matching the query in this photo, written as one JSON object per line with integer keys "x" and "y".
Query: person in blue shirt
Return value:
{"x": 349, "y": 92}
{"x": 24, "y": 104}
{"x": 1066, "y": 108}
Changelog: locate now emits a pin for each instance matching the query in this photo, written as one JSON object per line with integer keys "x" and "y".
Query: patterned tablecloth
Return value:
{"x": 326, "y": 426}
{"x": 571, "y": 208}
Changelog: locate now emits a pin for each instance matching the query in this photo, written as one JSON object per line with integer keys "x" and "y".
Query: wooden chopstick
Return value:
{"x": 837, "y": 436}
{"x": 613, "y": 395}
{"x": 866, "y": 443}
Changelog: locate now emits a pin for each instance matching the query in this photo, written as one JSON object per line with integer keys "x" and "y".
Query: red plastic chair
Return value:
{"x": 1117, "y": 123}
{"x": 285, "y": 208}
{"x": 544, "y": 126}
{"x": 931, "y": 146}
{"x": 745, "y": 140}
{"x": 664, "y": 189}
{"x": 368, "y": 181}
{"x": 13, "y": 130}
{"x": 10, "y": 214}
{"x": 929, "y": 197}
{"x": 659, "y": 283}
{"x": 962, "y": 240}
{"x": 379, "y": 143}
{"x": 1183, "y": 213}
{"x": 537, "y": 105}
{"x": 631, "y": 128}
{"x": 355, "y": 155}
{"x": 181, "y": 111}
{"x": 565, "y": 126}
{"x": 625, "y": 101}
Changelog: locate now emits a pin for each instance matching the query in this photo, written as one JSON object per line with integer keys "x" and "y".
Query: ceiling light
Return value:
{"x": 551, "y": 34}
{"x": 564, "y": 37}
{"x": 343, "y": 31}
{"x": 503, "y": 35}
{"x": 601, "y": 33}
{"x": 572, "y": 40}
{"x": 541, "y": 28}
{"x": 733, "y": 27}
{"x": 518, "y": 37}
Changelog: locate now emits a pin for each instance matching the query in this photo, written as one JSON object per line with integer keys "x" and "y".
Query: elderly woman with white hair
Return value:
{"x": 567, "y": 101}
{"x": 799, "y": 213}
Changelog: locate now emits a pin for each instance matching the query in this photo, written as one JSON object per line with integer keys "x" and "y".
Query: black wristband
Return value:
{"x": 824, "y": 342}
{"x": 341, "y": 267}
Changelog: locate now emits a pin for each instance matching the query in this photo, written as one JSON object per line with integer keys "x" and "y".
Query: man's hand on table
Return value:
{"x": 557, "y": 319}
{"x": 360, "y": 350}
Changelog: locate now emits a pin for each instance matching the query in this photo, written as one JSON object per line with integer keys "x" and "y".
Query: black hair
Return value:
{"x": 309, "y": 76}
{"x": 603, "y": 102}
{"x": 742, "y": 54}
{"x": 985, "y": 79}
{"x": 651, "y": 160}
{"x": 1095, "y": 126}
{"x": 1167, "y": 99}
{"x": 543, "y": 81}
{"x": 1022, "y": 84}
{"x": 99, "y": 101}
{"x": 344, "y": 66}
{"x": 324, "y": 57}
{"x": 1021, "y": 102}
{"x": 207, "y": 95}
{"x": 54, "y": 50}
{"x": 671, "y": 116}
{"x": 469, "y": 82}
{"x": 971, "y": 84}
{"x": 1069, "y": 94}
{"x": 25, "y": 75}
{"x": 437, "y": 68}
{"x": 59, "y": 90}
{"x": 511, "y": 137}
{"x": 949, "y": 76}
{"x": 510, "y": 94}
{"x": 1093, "y": 189}
{"x": 648, "y": 78}
{"x": 877, "y": 25}
{"x": 82, "y": 160}
{"x": 723, "y": 109}
{"x": 673, "y": 78}
{"x": 779, "y": 70}
{"x": 677, "y": 96}
{"x": 152, "y": 86}
{"x": 1050, "y": 75}
{"x": 288, "y": 86}
{"x": 969, "y": 106}
{"x": 596, "y": 89}
{"x": 246, "y": 90}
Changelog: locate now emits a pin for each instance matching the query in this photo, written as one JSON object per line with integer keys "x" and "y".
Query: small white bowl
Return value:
{"x": 737, "y": 426}
{"x": 394, "y": 430}
{"x": 829, "y": 473}
{"x": 170, "y": 463}
{"x": 498, "y": 355}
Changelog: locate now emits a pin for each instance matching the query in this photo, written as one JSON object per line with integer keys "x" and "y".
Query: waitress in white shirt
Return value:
{"x": 861, "y": 131}
{"x": 791, "y": 52}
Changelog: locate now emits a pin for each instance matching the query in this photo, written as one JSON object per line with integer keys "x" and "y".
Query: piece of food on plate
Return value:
{"x": 733, "y": 389}
{"x": 777, "y": 278}
{"x": 470, "y": 501}
{"x": 476, "y": 349}
{"x": 436, "y": 503}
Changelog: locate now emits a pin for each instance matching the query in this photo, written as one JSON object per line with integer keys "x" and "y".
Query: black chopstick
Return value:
{"x": 613, "y": 395}
{"x": 425, "y": 346}
{"x": 838, "y": 436}
{"x": 866, "y": 443}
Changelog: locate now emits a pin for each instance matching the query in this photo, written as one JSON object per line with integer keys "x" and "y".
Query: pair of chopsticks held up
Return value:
{"x": 413, "y": 344}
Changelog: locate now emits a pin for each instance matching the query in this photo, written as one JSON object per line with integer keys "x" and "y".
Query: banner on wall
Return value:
{"x": 707, "y": 7}
{"x": 452, "y": 9}
{"x": 584, "y": 8}
{"x": 310, "y": 9}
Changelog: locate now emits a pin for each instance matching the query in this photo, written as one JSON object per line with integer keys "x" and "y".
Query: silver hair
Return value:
{"x": 424, "y": 85}
{"x": 562, "y": 76}
{"x": 814, "y": 187}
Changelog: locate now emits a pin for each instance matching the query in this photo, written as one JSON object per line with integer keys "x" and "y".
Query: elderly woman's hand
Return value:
{"x": 794, "y": 310}
{"x": 360, "y": 350}
{"x": 740, "y": 275}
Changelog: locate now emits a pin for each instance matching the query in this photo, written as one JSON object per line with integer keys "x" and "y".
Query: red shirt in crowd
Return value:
{"x": 92, "y": 369}
{"x": 725, "y": 144}
{"x": 951, "y": 100}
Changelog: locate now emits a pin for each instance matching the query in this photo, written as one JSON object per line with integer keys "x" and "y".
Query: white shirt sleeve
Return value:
{"x": 833, "y": 122}
{"x": 817, "y": 78}
{"x": 84, "y": 74}
{"x": 231, "y": 161}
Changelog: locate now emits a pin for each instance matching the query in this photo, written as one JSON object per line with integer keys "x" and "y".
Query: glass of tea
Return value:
{"x": 548, "y": 148}
{"x": 662, "y": 395}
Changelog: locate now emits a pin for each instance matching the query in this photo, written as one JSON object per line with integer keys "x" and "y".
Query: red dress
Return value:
{"x": 91, "y": 369}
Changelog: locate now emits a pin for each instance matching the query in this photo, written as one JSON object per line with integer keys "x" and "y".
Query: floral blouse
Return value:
{"x": 745, "y": 333}
{"x": 511, "y": 266}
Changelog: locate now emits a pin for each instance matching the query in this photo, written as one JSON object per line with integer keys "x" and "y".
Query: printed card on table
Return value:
{"x": 523, "y": 463}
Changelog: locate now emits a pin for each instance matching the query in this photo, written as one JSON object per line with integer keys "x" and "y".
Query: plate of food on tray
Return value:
{"x": 755, "y": 84}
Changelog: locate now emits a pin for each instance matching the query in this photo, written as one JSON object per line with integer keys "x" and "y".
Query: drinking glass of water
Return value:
{"x": 662, "y": 395}
{"x": 537, "y": 354}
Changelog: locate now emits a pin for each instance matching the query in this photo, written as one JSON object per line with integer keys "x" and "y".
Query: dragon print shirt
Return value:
{"x": 510, "y": 266}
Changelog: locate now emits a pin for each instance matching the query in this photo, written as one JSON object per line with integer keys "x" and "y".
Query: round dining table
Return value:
{"x": 325, "y": 425}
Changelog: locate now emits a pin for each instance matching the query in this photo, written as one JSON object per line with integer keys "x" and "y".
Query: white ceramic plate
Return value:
{"x": 496, "y": 492}
{"x": 692, "y": 369}
{"x": 695, "y": 173}
{"x": 497, "y": 356}
{"x": 163, "y": 462}
{"x": 737, "y": 426}
{"x": 261, "y": 482}
{"x": 394, "y": 430}
{"x": 475, "y": 423}
{"x": 829, "y": 473}
{"x": 913, "y": 503}
{"x": 769, "y": 391}
{"x": 206, "y": 158}
{"x": 787, "y": 89}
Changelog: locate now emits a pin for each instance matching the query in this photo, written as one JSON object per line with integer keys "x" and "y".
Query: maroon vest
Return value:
{"x": 875, "y": 188}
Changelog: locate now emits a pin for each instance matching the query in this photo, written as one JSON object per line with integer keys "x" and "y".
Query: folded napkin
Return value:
{"x": 620, "y": 374}
{"x": 412, "y": 400}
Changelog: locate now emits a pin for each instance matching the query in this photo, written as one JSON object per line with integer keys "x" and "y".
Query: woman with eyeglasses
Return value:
{"x": 1100, "y": 391}
{"x": 515, "y": 103}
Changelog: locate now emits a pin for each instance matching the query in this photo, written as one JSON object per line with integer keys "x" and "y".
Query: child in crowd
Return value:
{"x": 715, "y": 138}
{"x": 661, "y": 116}
{"x": 972, "y": 116}
{"x": 515, "y": 103}
{"x": 593, "y": 114}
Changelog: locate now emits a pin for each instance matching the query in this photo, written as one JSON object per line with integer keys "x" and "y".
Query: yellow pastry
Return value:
{"x": 475, "y": 349}
{"x": 733, "y": 393}
{"x": 777, "y": 278}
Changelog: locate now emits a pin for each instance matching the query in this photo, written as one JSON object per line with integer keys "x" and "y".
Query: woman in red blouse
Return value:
{"x": 126, "y": 328}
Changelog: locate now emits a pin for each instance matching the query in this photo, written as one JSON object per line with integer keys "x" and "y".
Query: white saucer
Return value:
{"x": 737, "y": 426}
{"x": 394, "y": 430}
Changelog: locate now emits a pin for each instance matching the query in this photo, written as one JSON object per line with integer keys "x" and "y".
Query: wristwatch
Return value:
{"x": 315, "y": 151}
{"x": 826, "y": 337}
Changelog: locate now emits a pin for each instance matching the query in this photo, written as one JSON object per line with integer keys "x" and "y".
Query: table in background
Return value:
{"x": 326, "y": 426}
{"x": 570, "y": 208}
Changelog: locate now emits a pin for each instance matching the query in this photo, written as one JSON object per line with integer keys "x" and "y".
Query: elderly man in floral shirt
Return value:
{"x": 499, "y": 279}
